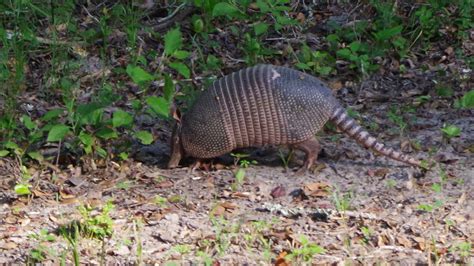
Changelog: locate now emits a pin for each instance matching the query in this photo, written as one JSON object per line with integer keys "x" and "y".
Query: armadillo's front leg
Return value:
{"x": 311, "y": 148}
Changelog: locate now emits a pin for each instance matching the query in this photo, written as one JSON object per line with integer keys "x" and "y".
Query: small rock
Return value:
{"x": 122, "y": 251}
{"x": 172, "y": 217}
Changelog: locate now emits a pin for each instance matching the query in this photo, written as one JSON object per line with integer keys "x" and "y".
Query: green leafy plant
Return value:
{"x": 391, "y": 183}
{"x": 463, "y": 248}
{"x": 160, "y": 201}
{"x": 174, "y": 54}
{"x": 239, "y": 178}
{"x": 357, "y": 54}
{"x": 437, "y": 187}
{"x": 451, "y": 131}
{"x": 306, "y": 251}
{"x": 99, "y": 226}
{"x": 41, "y": 251}
{"x": 240, "y": 173}
{"x": 181, "y": 249}
{"x": 466, "y": 101}
{"x": 430, "y": 207}
{"x": 367, "y": 233}
{"x": 394, "y": 115}
{"x": 23, "y": 187}
{"x": 342, "y": 202}
{"x": 285, "y": 158}
{"x": 318, "y": 62}
{"x": 206, "y": 259}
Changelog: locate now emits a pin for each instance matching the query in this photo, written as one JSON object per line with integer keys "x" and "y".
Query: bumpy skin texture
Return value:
{"x": 253, "y": 107}
{"x": 262, "y": 105}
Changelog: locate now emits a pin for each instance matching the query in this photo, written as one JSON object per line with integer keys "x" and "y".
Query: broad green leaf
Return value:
{"x": 106, "y": 133}
{"x": 444, "y": 91}
{"x": 22, "y": 189}
{"x": 181, "y": 68}
{"x": 399, "y": 42}
{"x": 57, "y": 133}
{"x": 86, "y": 138}
{"x": 263, "y": 6}
{"x": 386, "y": 34}
{"x": 52, "y": 114}
{"x": 145, "y": 137}
{"x": 451, "y": 131}
{"x": 121, "y": 118}
{"x": 136, "y": 104}
{"x": 224, "y": 9}
{"x": 11, "y": 145}
{"x": 173, "y": 41}
{"x": 4, "y": 153}
{"x": 89, "y": 113}
{"x": 240, "y": 175}
{"x": 302, "y": 66}
{"x": 101, "y": 152}
{"x": 168, "y": 90}
{"x": 30, "y": 125}
{"x": 159, "y": 105}
{"x": 36, "y": 156}
{"x": 355, "y": 46}
{"x": 285, "y": 21}
{"x": 180, "y": 54}
{"x": 212, "y": 62}
{"x": 344, "y": 53}
{"x": 260, "y": 28}
{"x": 123, "y": 155}
{"x": 87, "y": 109}
{"x": 467, "y": 101}
{"x": 324, "y": 71}
{"x": 198, "y": 25}
{"x": 138, "y": 74}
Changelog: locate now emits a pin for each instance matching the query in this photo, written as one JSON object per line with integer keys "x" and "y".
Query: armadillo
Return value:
{"x": 261, "y": 105}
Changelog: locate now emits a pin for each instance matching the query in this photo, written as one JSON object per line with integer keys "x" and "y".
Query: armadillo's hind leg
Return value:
{"x": 311, "y": 148}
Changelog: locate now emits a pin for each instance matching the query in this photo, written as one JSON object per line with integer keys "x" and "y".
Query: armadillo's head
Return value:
{"x": 177, "y": 150}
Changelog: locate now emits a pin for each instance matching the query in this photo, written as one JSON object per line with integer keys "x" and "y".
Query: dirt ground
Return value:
{"x": 361, "y": 208}
{"x": 354, "y": 207}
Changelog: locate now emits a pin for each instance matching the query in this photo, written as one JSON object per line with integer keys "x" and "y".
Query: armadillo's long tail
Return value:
{"x": 354, "y": 130}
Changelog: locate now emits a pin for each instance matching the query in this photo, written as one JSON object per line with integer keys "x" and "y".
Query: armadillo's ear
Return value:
{"x": 175, "y": 113}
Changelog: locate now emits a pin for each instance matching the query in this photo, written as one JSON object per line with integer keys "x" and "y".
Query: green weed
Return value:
{"x": 306, "y": 251}
{"x": 451, "y": 131}
{"x": 41, "y": 252}
{"x": 342, "y": 202}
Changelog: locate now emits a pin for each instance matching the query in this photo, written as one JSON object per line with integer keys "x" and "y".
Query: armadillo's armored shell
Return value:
{"x": 256, "y": 106}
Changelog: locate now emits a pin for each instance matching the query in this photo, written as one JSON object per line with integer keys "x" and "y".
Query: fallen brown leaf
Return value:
{"x": 278, "y": 191}
{"x": 9, "y": 246}
{"x": 218, "y": 210}
{"x": 420, "y": 243}
{"x": 380, "y": 172}
{"x": 244, "y": 195}
{"x": 318, "y": 189}
{"x": 228, "y": 206}
{"x": 281, "y": 261}
{"x": 300, "y": 17}
{"x": 165, "y": 184}
{"x": 65, "y": 194}
{"x": 404, "y": 241}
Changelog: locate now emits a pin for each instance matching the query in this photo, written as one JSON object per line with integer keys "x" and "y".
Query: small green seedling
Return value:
{"x": 160, "y": 201}
{"x": 451, "y": 131}
{"x": 306, "y": 251}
